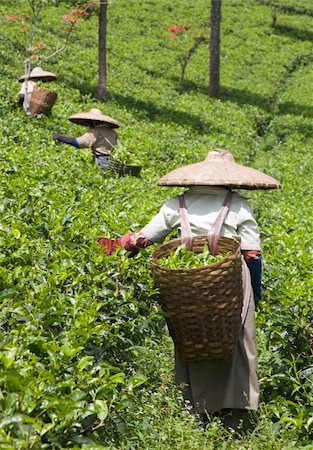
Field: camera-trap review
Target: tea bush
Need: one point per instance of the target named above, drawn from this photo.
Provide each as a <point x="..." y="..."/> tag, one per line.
<point x="85" y="358"/>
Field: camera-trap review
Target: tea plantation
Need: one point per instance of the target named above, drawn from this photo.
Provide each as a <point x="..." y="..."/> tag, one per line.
<point x="85" y="358"/>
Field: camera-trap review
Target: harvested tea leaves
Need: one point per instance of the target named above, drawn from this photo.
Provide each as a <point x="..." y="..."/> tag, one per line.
<point x="182" y="258"/>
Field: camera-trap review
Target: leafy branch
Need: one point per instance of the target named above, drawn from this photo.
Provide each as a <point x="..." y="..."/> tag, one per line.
<point x="178" y="31"/>
<point x="185" y="59"/>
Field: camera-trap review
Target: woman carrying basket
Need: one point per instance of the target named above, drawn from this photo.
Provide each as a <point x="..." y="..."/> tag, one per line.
<point x="225" y="387"/>
<point x="100" y="137"/>
<point x="29" y="82"/>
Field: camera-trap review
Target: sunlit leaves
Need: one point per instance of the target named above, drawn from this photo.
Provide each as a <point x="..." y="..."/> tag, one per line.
<point x="84" y="358"/>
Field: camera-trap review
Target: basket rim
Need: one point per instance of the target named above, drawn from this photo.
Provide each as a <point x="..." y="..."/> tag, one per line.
<point x="43" y="89"/>
<point x="153" y="259"/>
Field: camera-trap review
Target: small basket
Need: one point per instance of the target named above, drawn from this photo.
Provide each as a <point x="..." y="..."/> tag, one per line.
<point x="123" y="169"/>
<point x="202" y="305"/>
<point x="132" y="170"/>
<point x="41" y="101"/>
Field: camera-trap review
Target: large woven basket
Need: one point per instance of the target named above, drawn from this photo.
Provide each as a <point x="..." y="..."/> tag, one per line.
<point x="202" y="305"/>
<point x="41" y="101"/>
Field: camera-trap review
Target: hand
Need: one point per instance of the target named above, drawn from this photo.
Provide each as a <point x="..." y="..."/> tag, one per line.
<point x="56" y="136"/>
<point x="126" y="242"/>
<point x="109" y="245"/>
<point x="250" y="255"/>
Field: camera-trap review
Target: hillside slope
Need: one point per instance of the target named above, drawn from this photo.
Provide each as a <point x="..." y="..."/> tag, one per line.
<point x="85" y="358"/>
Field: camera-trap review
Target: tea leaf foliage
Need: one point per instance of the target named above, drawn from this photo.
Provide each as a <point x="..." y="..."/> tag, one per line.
<point x="85" y="358"/>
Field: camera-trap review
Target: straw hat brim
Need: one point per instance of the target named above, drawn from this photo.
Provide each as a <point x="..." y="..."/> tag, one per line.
<point x="88" y="118"/>
<point x="43" y="76"/>
<point x="219" y="173"/>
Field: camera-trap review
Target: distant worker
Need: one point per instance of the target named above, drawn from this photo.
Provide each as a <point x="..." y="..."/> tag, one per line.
<point x="100" y="137"/>
<point x="28" y="84"/>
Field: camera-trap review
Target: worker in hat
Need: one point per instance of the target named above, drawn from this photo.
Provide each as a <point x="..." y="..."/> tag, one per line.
<point x="226" y="388"/>
<point x="29" y="82"/>
<point x="100" y="137"/>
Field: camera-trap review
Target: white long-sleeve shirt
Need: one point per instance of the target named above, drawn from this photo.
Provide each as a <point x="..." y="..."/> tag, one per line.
<point x="203" y="204"/>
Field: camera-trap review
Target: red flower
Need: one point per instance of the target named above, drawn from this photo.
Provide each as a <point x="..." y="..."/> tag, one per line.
<point x="16" y="18"/>
<point x="79" y="12"/>
<point x="69" y="18"/>
<point x="40" y="45"/>
<point x="11" y="18"/>
<point x="178" y="28"/>
<point x="174" y="29"/>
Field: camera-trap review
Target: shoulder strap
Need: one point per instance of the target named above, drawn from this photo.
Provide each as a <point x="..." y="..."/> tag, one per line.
<point x="186" y="235"/>
<point x="217" y="225"/>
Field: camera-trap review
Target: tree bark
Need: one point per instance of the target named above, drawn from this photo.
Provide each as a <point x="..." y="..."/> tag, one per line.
<point x="102" y="47"/>
<point x="214" y="89"/>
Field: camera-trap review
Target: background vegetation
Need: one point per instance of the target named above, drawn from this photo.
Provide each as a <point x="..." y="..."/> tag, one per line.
<point x="84" y="354"/>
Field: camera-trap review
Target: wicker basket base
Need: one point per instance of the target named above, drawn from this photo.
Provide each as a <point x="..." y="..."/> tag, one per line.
<point x="202" y="305"/>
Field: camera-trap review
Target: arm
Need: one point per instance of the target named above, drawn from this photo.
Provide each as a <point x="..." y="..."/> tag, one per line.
<point x="253" y="260"/>
<point x="65" y="139"/>
<point x="250" y="246"/>
<point x="154" y="231"/>
<point x="132" y="242"/>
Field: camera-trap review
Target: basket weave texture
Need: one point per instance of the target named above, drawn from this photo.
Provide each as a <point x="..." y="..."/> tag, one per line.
<point x="123" y="169"/>
<point x="202" y="305"/>
<point x="41" y="101"/>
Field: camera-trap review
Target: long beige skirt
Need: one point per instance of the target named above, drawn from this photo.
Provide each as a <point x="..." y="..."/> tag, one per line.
<point x="210" y="386"/>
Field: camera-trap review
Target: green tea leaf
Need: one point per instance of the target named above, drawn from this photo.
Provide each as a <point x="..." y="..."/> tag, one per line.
<point x="186" y="259"/>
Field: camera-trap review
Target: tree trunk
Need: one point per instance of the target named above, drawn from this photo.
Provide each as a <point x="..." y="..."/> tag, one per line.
<point x="214" y="90"/>
<point x="102" y="70"/>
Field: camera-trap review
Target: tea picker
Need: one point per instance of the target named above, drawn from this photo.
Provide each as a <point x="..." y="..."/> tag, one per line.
<point x="210" y="310"/>
<point x="29" y="84"/>
<point x="100" y="137"/>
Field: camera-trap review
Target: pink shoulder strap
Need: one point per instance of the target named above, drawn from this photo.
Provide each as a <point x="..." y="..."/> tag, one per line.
<point x="186" y="235"/>
<point x="217" y="225"/>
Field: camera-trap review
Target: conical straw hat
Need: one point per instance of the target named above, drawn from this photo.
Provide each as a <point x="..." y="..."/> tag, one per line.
<point x="219" y="169"/>
<point x="94" y="115"/>
<point x="40" y="74"/>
